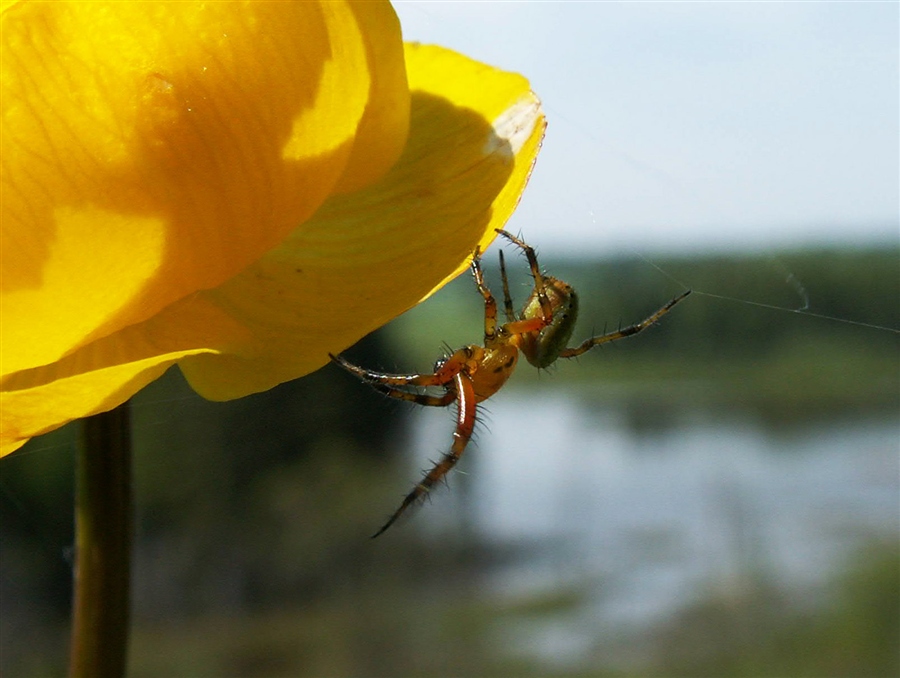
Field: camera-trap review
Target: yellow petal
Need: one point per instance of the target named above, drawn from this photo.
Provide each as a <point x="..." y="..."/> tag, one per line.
<point x="361" y="260"/>
<point x="367" y="257"/>
<point x="25" y="411"/>
<point x="151" y="149"/>
<point x="381" y="134"/>
<point x="104" y="374"/>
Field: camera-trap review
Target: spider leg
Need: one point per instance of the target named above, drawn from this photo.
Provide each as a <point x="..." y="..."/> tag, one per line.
<point x="623" y="332"/>
<point x="490" y="304"/>
<point x="442" y="375"/>
<point x="419" y="398"/>
<point x="507" y="299"/>
<point x="465" y="424"/>
<point x="543" y="300"/>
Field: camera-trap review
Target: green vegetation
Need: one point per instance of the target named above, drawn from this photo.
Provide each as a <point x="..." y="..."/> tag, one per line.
<point x="757" y="631"/>
<point x="252" y="554"/>
<point x="741" y="340"/>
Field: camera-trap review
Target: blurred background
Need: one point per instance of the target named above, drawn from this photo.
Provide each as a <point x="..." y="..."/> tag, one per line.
<point x="715" y="497"/>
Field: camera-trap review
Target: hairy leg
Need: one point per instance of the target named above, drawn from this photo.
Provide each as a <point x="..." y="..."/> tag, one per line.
<point x="442" y="375"/>
<point x="629" y="331"/>
<point x="530" y="255"/>
<point x="507" y="299"/>
<point x="418" y="398"/>
<point x="490" y="304"/>
<point x="465" y="424"/>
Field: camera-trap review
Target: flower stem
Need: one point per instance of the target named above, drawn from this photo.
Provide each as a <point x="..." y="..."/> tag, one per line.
<point x="103" y="535"/>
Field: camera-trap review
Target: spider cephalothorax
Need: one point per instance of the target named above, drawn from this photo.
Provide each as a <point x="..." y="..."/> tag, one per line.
<point x="474" y="373"/>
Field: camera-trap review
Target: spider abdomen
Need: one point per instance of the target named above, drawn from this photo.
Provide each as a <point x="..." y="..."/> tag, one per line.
<point x="543" y="347"/>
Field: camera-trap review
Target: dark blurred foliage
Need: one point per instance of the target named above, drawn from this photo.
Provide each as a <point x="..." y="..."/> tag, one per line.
<point x="759" y="630"/>
<point x="219" y="487"/>
<point x="224" y="486"/>
<point x="253" y="516"/>
<point x="738" y="311"/>
<point x="737" y="339"/>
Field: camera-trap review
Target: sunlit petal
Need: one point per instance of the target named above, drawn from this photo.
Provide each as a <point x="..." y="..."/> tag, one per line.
<point x="362" y="259"/>
<point x="367" y="257"/>
<point x="151" y="149"/>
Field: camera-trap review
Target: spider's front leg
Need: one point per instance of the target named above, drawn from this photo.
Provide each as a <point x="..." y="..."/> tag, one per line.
<point x="490" y="304"/>
<point x="508" y="309"/>
<point x="539" y="283"/>
<point x="418" y="398"/>
<point x="629" y="331"/>
<point x="394" y="385"/>
<point x="443" y="373"/>
<point x="465" y="424"/>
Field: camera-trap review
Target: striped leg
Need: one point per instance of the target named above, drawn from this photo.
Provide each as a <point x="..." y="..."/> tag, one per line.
<point x="443" y="375"/>
<point x="507" y="299"/>
<point x="465" y="424"/>
<point x="490" y="304"/>
<point x="418" y="398"/>
<point x="543" y="300"/>
<point x="629" y="331"/>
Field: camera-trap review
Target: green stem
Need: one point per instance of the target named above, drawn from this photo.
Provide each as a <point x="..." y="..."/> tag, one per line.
<point x="103" y="535"/>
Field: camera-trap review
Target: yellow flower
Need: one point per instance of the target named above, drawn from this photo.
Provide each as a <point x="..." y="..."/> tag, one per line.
<point x="238" y="188"/>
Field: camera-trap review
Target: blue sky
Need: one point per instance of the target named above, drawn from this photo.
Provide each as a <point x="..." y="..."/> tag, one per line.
<point x="697" y="126"/>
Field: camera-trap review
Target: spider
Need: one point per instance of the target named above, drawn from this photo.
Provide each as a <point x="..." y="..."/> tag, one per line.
<point x="474" y="373"/>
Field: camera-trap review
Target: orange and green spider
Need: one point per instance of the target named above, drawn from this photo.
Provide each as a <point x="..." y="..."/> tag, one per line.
<point x="472" y="374"/>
